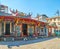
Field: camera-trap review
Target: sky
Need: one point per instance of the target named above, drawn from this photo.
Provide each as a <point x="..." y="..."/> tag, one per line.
<point x="48" y="7"/>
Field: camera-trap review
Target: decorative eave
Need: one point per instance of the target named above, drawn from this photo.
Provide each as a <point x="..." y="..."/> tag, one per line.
<point x="49" y="26"/>
<point x="7" y="18"/>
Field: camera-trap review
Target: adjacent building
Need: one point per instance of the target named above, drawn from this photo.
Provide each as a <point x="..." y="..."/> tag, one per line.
<point x="55" y="22"/>
<point x="43" y="30"/>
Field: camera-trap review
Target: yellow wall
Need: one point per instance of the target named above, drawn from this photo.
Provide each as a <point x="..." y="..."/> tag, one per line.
<point x="53" y="20"/>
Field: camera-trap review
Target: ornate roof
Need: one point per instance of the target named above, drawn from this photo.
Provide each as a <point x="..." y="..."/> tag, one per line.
<point x="5" y="14"/>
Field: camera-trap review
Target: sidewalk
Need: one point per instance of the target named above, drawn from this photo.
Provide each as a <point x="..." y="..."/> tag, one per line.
<point x="24" y="42"/>
<point x="45" y="43"/>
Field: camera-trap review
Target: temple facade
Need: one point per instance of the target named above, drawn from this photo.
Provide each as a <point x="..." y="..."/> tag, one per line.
<point x="15" y="26"/>
<point x="18" y="24"/>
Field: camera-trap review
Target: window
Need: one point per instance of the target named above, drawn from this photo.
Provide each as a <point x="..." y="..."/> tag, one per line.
<point x="3" y="27"/>
<point x="58" y="23"/>
<point x="54" y="19"/>
<point x="41" y="29"/>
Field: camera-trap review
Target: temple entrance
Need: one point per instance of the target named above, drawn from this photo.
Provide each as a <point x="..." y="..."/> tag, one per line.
<point x="7" y="29"/>
<point x="24" y="29"/>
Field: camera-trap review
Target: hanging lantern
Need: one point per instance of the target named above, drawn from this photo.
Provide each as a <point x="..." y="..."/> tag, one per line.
<point x="32" y="22"/>
<point x="1" y="18"/>
<point x="17" y="21"/>
<point x="23" y="21"/>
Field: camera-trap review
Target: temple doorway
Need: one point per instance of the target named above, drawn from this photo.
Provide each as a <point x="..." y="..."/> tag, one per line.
<point x="7" y="29"/>
<point x="24" y="29"/>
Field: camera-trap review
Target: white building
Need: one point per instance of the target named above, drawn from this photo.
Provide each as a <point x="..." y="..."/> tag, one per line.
<point x="41" y="17"/>
<point x="55" y="21"/>
<point x="42" y="30"/>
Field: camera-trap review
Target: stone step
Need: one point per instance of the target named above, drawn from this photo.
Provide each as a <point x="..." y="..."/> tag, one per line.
<point x="8" y="39"/>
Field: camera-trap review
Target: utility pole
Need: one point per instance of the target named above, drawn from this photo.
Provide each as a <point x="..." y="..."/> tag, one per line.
<point x="58" y="20"/>
<point x="57" y="13"/>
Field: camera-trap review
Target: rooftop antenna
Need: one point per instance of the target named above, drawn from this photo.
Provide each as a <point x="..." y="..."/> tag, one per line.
<point x="57" y="12"/>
